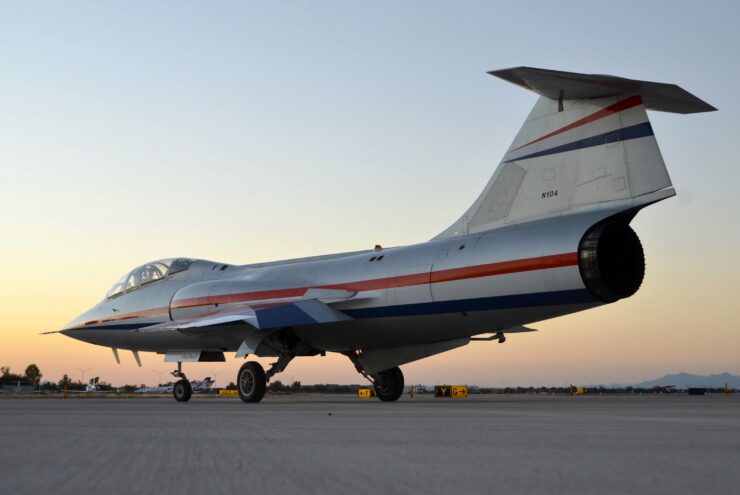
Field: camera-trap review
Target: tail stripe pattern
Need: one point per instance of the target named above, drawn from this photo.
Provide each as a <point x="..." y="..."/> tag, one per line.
<point x="623" y="134"/>
<point x="617" y="107"/>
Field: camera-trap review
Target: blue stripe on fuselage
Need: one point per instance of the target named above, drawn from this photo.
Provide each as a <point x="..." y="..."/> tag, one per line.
<point x="578" y="296"/>
<point x="624" y="134"/>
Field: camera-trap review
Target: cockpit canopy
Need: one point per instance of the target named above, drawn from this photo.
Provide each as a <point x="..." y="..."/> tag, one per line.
<point x="147" y="274"/>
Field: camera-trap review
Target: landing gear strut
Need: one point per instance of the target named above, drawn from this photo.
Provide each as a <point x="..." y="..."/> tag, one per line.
<point x="182" y="391"/>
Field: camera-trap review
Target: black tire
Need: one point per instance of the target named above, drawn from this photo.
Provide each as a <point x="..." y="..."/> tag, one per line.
<point x="389" y="384"/>
<point x="182" y="391"/>
<point x="251" y="382"/>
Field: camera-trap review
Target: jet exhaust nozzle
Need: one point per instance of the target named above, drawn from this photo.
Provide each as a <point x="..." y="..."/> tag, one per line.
<point x="611" y="261"/>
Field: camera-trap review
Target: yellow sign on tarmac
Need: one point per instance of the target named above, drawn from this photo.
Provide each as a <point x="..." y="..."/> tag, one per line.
<point x="451" y="391"/>
<point x="228" y="393"/>
<point x="459" y="391"/>
<point x="366" y="393"/>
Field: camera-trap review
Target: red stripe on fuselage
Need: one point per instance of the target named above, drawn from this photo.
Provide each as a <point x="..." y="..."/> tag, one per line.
<point x="504" y="267"/>
<point x="449" y="275"/>
<point x="617" y="107"/>
<point x="145" y="313"/>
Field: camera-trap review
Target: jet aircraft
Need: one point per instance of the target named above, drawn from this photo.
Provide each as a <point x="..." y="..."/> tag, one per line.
<point x="549" y="235"/>
<point x="195" y="385"/>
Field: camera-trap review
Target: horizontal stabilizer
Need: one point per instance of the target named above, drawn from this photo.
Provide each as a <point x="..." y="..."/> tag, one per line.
<point x="559" y="85"/>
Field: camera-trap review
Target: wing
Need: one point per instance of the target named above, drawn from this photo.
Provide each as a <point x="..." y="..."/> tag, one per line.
<point x="292" y="314"/>
<point x="261" y="320"/>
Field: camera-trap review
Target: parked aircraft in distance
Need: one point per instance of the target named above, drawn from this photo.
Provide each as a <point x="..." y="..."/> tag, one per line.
<point x="196" y="386"/>
<point x="91" y="387"/>
<point x="549" y="235"/>
<point x="159" y="389"/>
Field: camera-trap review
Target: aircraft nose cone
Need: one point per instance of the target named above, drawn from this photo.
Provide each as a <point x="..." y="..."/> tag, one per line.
<point x="75" y="333"/>
<point x="66" y="331"/>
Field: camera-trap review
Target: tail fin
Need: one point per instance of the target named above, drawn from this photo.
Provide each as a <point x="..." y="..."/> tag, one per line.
<point x="586" y="144"/>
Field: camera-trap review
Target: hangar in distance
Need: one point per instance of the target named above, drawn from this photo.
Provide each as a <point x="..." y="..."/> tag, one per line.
<point x="549" y="235"/>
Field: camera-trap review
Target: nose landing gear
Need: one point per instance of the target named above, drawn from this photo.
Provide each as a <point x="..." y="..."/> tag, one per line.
<point x="182" y="391"/>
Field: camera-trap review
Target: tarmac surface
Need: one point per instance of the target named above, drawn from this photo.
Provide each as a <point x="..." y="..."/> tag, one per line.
<point x="323" y="444"/>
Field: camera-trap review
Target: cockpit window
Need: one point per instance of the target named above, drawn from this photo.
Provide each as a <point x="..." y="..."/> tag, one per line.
<point x="117" y="288"/>
<point x="152" y="272"/>
<point x="179" y="265"/>
<point x="133" y="280"/>
<point x="147" y="274"/>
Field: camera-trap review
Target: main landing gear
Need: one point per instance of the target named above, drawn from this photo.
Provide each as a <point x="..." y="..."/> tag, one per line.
<point x="182" y="391"/>
<point x="388" y="384"/>
<point x="251" y="381"/>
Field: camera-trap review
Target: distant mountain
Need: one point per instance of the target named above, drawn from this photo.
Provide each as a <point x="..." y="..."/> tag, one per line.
<point x="687" y="380"/>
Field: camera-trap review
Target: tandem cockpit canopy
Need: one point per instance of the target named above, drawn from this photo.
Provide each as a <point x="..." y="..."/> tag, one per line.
<point x="147" y="274"/>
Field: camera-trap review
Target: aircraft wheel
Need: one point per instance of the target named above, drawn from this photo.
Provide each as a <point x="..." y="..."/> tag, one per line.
<point x="251" y="382"/>
<point x="389" y="384"/>
<point x="182" y="391"/>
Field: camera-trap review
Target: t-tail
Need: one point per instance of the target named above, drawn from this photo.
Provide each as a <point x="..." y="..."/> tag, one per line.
<point x="586" y="145"/>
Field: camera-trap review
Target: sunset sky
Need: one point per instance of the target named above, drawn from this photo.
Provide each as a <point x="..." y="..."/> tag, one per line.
<point x="133" y="131"/>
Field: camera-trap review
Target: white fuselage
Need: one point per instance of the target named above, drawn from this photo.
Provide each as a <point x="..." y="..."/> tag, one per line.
<point x="429" y="292"/>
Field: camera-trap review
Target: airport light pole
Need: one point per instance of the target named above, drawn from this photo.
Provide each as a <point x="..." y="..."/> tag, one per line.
<point x="83" y="371"/>
<point x="215" y="376"/>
